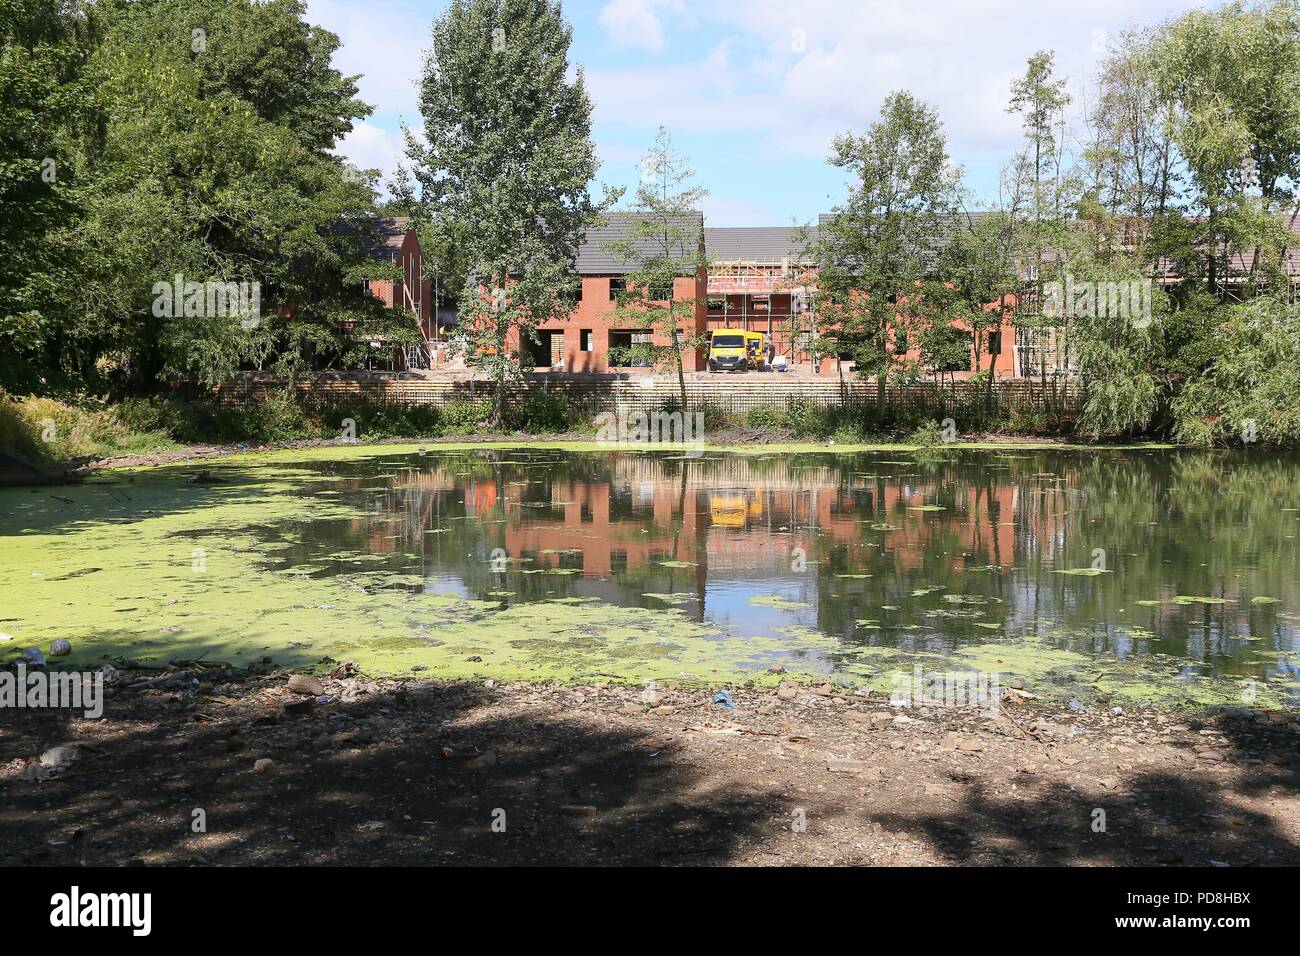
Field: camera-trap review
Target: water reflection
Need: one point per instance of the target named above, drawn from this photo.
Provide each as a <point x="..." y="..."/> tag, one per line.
<point x="1121" y="553"/>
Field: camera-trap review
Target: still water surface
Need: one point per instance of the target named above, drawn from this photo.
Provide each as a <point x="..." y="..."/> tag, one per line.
<point x="1103" y="574"/>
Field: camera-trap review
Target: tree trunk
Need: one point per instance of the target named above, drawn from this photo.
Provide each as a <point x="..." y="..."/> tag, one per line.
<point x="681" y="374"/>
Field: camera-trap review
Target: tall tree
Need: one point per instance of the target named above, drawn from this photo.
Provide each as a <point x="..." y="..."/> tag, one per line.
<point x="977" y="283"/>
<point x="1132" y="162"/>
<point x="46" y="107"/>
<point x="663" y="244"/>
<point x="1232" y="76"/>
<point x="1041" y="99"/>
<point x="882" y="241"/>
<point x="508" y="164"/>
<point x="207" y="154"/>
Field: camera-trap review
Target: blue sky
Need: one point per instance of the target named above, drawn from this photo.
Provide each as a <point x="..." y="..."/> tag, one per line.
<point x="753" y="91"/>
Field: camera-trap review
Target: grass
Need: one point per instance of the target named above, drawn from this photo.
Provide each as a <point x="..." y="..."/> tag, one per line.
<point x="45" y="431"/>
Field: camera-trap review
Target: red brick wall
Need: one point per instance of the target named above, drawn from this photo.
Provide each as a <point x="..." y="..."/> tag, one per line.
<point x="595" y="313"/>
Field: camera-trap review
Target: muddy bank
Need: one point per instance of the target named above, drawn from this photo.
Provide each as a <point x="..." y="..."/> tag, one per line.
<point x="344" y="769"/>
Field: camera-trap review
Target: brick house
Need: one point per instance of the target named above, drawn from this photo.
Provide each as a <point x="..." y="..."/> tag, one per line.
<point x="759" y="280"/>
<point x="581" y="342"/>
<point x="394" y="241"/>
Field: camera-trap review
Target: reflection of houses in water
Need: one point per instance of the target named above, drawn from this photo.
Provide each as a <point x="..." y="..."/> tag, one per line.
<point x="612" y="533"/>
<point x="739" y="514"/>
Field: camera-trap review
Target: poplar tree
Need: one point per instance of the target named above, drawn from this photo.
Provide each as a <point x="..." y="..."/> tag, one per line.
<point x="506" y="165"/>
<point x="881" y="243"/>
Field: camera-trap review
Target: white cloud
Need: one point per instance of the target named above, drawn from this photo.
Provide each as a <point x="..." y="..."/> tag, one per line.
<point x="369" y="147"/>
<point x="740" y="211"/>
<point x="637" y="23"/>
<point x="798" y="71"/>
<point x="384" y="43"/>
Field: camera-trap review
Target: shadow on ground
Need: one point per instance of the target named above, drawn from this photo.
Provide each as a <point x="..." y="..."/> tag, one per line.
<point x="1155" y="818"/>
<point x="369" y="784"/>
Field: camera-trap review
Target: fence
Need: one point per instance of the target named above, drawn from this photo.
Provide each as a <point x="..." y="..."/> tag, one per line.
<point x="733" y="399"/>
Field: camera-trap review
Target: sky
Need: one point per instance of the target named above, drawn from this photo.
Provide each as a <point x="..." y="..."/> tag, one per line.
<point x="754" y="91"/>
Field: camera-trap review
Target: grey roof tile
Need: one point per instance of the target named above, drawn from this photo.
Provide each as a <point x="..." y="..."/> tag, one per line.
<point x="730" y="243"/>
<point x="594" y="256"/>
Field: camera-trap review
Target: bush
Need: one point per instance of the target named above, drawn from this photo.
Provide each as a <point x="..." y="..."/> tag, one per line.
<point x="848" y="433"/>
<point x="715" y="418"/>
<point x="764" y="417"/>
<point x="928" y="435"/>
<point x="465" y="417"/>
<point x="45" y="431"/>
<point x="379" y="420"/>
<point x="275" y="418"/>
<point x="541" y="413"/>
<point x="808" y="419"/>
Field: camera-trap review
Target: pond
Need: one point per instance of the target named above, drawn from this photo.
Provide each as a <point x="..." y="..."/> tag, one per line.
<point x="1107" y="575"/>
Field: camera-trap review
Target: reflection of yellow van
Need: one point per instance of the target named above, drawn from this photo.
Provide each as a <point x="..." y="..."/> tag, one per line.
<point x="735" y="350"/>
<point x="732" y="511"/>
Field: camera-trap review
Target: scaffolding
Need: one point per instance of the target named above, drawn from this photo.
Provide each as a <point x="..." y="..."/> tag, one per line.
<point x="763" y="295"/>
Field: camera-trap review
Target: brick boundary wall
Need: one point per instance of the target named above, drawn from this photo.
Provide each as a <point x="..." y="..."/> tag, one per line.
<point x="733" y="399"/>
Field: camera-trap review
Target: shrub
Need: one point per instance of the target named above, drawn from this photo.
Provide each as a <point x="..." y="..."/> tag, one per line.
<point x="274" y="418"/>
<point x="715" y="418"/>
<point x="465" y="417"/>
<point x="808" y="418"/>
<point x="848" y="433"/>
<point x="541" y="413"/>
<point x="378" y="420"/>
<point x="45" y="431"/>
<point x="764" y="417"/>
<point x="928" y="435"/>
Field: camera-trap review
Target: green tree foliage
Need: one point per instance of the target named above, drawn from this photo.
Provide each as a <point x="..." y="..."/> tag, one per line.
<point x="45" y="105"/>
<point x="881" y="242"/>
<point x="1231" y="77"/>
<point x="507" y="167"/>
<point x="663" y="243"/>
<point x="206" y="155"/>
<point x="1249" y="392"/>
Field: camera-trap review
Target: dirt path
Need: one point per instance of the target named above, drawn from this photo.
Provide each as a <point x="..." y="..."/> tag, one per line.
<point x="422" y="772"/>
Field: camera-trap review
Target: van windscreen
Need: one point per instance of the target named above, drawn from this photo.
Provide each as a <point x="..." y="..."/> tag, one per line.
<point x="728" y="341"/>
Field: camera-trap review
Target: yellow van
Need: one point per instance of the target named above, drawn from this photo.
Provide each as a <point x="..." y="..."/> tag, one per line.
<point x="735" y="350"/>
<point x="733" y="510"/>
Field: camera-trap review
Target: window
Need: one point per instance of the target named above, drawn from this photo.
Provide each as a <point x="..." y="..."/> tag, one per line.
<point x="577" y="290"/>
<point x="995" y="342"/>
<point x="586" y="341"/>
<point x="616" y="286"/>
<point x="630" y="348"/>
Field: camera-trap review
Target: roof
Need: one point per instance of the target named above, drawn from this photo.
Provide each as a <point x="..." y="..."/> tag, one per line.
<point x="731" y="243"/>
<point x="594" y="256"/>
<point x="382" y="237"/>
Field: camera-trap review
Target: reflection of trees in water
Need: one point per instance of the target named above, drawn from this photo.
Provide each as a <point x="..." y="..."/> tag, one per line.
<point x="1166" y="523"/>
<point x="1163" y="522"/>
